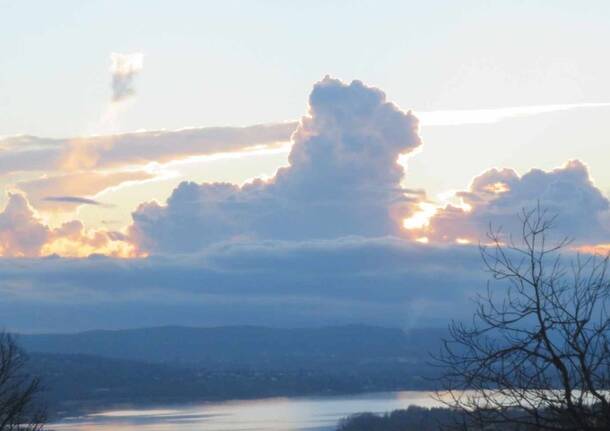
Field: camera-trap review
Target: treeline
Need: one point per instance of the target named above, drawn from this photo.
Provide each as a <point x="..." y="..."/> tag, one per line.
<point x="410" y="419"/>
<point x="435" y="419"/>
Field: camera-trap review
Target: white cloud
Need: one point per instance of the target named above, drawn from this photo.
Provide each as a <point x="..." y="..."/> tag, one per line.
<point x="458" y="117"/>
<point x="343" y="179"/>
<point x="498" y="195"/>
<point x="26" y="153"/>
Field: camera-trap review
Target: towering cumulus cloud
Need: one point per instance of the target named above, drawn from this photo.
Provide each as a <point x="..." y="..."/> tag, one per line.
<point x="343" y="179"/>
<point x="498" y="195"/>
<point x="124" y="68"/>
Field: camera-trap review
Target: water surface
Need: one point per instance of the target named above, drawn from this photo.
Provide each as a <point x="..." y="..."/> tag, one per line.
<point x="272" y="414"/>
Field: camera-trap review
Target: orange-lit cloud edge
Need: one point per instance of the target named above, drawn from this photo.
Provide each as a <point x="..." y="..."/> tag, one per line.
<point x="73" y="240"/>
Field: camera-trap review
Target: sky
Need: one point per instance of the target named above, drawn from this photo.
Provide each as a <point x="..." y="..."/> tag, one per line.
<point x="287" y="163"/>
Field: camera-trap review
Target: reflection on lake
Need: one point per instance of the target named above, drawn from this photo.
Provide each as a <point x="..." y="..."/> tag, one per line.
<point x="274" y="414"/>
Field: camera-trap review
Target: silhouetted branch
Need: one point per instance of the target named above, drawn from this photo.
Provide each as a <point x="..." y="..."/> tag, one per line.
<point x="18" y="390"/>
<point x="538" y="357"/>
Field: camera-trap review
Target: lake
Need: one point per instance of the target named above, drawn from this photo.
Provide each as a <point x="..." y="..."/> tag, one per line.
<point x="272" y="414"/>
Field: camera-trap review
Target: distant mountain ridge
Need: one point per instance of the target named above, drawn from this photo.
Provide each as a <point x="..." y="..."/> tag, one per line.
<point x="244" y="346"/>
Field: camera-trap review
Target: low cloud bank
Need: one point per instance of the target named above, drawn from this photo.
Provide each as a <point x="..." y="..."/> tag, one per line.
<point x="382" y="281"/>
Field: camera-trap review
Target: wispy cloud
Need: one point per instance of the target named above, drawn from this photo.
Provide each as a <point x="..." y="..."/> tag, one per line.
<point x="73" y="200"/>
<point x="31" y="153"/>
<point x="26" y="153"/>
<point x="74" y="189"/>
<point x="460" y="117"/>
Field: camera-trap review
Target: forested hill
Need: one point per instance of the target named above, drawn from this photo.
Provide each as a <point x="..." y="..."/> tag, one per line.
<point x="99" y="369"/>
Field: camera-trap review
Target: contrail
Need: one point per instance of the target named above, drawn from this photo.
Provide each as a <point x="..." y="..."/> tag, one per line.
<point x="460" y="117"/>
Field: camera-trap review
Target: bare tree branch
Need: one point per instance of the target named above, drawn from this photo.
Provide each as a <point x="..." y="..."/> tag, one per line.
<point x="18" y="390"/>
<point x="537" y="353"/>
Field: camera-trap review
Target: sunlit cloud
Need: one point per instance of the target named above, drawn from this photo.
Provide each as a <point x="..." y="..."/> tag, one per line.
<point x="87" y="243"/>
<point x="421" y="218"/>
<point x="596" y="249"/>
<point x="326" y="161"/>
<point x="23" y="233"/>
<point x="342" y="179"/>
<point x="498" y="195"/>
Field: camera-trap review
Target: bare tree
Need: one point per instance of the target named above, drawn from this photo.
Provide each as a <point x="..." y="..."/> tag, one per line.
<point x="537" y="353"/>
<point x="18" y="390"/>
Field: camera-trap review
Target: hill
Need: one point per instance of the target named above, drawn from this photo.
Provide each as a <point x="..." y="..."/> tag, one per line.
<point x="94" y="370"/>
<point x="245" y="346"/>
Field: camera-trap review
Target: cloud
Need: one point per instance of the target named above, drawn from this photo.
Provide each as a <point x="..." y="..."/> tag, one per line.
<point x="27" y="153"/>
<point x="21" y="233"/>
<point x="319" y="243"/>
<point x="73" y="200"/>
<point x="163" y="146"/>
<point x="124" y="68"/>
<point x="72" y="189"/>
<point x="459" y="117"/>
<point x="498" y="195"/>
<point x="24" y="234"/>
<point x="382" y="281"/>
<point x="343" y="179"/>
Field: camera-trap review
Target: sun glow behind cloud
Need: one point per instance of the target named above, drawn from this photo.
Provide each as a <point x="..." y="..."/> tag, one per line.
<point x="91" y="244"/>
<point x="421" y="218"/>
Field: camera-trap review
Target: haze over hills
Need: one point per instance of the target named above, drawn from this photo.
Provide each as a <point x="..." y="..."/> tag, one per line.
<point x="244" y="346"/>
<point x="93" y="370"/>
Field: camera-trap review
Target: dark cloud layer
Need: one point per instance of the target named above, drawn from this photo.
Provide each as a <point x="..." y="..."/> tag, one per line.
<point x="73" y="200"/>
<point x="384" y="281"/>
<point x="66" y="192"/>
<point x="343" y="179"/>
